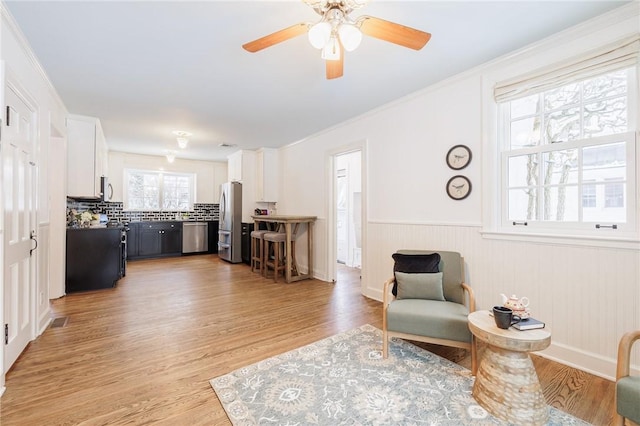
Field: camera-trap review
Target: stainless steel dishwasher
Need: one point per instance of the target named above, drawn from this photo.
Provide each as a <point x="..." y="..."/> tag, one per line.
<point x="195" y="237"/>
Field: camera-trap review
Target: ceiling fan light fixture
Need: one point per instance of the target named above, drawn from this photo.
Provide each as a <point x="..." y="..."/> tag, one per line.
<point x="331" y="50"/>
<point x="355" y="4"/>
<point x="182" y="142"/>
<point x="171" y="156"/>
<point x="319" y="34"/>
<point x="350" y="36"/>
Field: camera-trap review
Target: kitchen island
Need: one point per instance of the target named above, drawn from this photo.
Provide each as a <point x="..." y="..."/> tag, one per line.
<point x="275" y="223"/>
<point x="95" y="258"/>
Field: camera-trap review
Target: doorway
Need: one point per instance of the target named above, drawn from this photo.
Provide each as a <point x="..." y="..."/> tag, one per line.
<point x="347" y="210"/>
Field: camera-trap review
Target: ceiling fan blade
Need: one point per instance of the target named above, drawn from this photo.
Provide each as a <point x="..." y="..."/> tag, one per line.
<point x="335" y="68"/>
<point x="275" y="38"/>
<point x="393" y="33"/>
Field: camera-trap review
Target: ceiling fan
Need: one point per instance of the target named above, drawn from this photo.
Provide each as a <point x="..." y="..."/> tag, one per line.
<point x="337" y="31"/>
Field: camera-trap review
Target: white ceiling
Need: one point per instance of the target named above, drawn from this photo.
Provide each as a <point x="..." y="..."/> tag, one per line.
<point x="146" y="68"/>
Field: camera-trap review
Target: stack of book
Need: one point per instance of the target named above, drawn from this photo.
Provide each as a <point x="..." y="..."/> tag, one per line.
<point x="528" y="324"/>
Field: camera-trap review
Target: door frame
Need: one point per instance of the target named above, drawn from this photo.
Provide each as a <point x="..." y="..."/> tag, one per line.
<point x="332" y="250"/>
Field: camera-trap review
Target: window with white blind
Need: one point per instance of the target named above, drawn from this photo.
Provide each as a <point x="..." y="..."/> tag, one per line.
<point x="158" y="191"/>
<point x="567" y="141"/>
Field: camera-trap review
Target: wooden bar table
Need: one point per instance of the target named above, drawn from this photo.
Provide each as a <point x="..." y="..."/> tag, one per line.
<point x="286" y="221"/>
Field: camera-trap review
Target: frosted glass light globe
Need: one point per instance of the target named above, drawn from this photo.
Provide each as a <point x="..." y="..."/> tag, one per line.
<point x="350" y="36"/>
<point x="319" y="34"/>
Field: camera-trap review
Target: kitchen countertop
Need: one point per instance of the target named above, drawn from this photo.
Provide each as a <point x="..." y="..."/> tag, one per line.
<point x="93" y="228"/>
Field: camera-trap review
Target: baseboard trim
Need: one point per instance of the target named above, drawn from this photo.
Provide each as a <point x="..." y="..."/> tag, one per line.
<point x="563" y="354"/>
<point x="585" y="361"/>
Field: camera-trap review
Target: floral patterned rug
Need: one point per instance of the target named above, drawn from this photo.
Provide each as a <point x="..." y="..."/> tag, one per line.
<point x="343" y="380"/>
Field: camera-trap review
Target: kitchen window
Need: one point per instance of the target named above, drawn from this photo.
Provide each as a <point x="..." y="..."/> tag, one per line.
<point x="568" y="157"/>
<point x="151" y="190"/>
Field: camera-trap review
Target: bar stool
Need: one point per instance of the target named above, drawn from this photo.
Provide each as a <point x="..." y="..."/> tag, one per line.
<point x="275" y="242"/>
<point x="257" y="251"/>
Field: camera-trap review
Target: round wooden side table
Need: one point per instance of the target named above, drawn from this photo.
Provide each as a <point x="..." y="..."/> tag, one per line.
<point x="506" y="384"/>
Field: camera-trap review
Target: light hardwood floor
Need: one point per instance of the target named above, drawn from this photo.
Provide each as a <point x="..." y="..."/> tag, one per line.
<point x="143" y="353"/>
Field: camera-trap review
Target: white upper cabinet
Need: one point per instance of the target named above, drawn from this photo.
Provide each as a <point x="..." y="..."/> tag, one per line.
<point x="86" y="156"/>
<point x="267" y="174"/>
<point x="234" y="167"/>
<point x="220" y="172"/>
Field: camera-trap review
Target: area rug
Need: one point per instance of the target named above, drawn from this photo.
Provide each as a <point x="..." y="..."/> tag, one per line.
<point x="343" y="380"/>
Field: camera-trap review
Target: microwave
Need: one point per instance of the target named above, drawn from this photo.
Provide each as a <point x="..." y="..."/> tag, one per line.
<point x="106" y="190"/>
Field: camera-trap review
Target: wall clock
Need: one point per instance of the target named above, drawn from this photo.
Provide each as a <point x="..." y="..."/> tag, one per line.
<point x="458" y="187"/>
<point x="458" y="157"/>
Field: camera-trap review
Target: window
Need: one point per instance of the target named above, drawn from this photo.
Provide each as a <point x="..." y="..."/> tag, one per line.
<point x="588" y="194"/>
<point x="614" y="195"/>
<point x="568" y="156"/>
<point x="158" y="191"/>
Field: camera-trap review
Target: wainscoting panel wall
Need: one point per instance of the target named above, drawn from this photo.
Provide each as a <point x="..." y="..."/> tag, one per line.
<point x="588" y="296"/>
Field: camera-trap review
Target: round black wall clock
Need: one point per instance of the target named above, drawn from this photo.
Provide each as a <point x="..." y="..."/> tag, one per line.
<point x="458" y="157"/>
<point x="458" y="187"/>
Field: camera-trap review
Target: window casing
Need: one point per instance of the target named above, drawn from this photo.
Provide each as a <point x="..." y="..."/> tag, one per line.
<point x="568" y="157"/>
<point x="150" y="190"/>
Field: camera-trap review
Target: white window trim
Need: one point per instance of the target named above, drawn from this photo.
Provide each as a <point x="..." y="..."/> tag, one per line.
<point x="125" y="189"/>
<point x="492" y="191"/>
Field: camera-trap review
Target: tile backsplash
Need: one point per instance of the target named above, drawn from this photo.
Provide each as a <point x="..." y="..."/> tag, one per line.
<point x="116" y="214"/>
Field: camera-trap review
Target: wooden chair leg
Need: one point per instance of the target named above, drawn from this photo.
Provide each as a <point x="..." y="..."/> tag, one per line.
<point x="618" y="420"/>
<point x="385" y="345"/>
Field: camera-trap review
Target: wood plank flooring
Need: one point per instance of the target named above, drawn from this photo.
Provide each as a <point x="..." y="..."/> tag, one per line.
<point x="143" y="353"/>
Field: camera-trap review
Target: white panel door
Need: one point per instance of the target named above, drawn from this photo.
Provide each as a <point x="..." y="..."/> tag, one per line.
<point x="19" y="173"/>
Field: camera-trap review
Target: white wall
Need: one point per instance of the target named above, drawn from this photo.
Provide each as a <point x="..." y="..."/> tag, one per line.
<point x="209" y="174"/>
<point x="589" y="295"/>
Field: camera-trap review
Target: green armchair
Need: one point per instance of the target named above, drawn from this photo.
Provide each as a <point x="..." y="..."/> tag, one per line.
<point x="627" y="386"/>
<point x="428" y="301"/>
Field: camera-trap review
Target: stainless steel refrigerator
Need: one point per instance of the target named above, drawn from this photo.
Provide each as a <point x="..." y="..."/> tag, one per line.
<point x="230" y="231"/>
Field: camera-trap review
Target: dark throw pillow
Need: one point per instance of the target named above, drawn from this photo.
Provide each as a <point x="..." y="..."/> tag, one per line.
<point x="414" y="264"/>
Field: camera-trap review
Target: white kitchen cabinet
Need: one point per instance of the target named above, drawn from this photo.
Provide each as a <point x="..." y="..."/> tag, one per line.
<point x="86" y="156"/>
<point x="234" y="167"/>
<point x="220" y="175"/>
<point x="267" y="174"/>
<point x="241" y="167"/>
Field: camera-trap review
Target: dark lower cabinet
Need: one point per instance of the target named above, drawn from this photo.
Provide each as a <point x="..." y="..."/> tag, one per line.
<point x="171" y="240"/>
<point x="162" y="238"/>
<point x="93" y="258"/>
<point x="247" y="228"/>
<point x="149" y="242"/>
<point x="132" y="240"/>
<point x="156" y="239"/>
<point x="212" y="236"/>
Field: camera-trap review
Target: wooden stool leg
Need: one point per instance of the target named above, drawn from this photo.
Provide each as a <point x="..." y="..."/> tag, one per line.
<point x="294" y="265"/>
<point x="261" y="256"/>
<point x="267" y="257"/>
<point x="253" y="254"/>
<point x="276" y="262"/>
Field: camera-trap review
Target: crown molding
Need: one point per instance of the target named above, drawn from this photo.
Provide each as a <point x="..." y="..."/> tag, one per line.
<point x="10" y="23"/>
